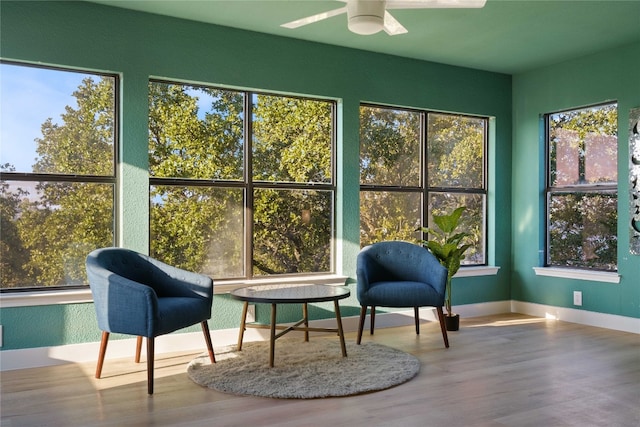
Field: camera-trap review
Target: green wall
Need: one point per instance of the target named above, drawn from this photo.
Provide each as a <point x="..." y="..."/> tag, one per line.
<point x="610" y="75"/>
<point x="138" y="46"/>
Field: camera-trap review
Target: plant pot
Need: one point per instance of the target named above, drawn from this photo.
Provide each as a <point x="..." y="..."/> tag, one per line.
<point x="452" y="322"/>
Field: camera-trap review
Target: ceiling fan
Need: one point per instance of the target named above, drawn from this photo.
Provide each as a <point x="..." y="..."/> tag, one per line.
<point x="370" y="16"/>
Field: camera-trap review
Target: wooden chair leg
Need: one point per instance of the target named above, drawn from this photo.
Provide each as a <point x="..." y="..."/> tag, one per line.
<point x="363" y="314"/>
<point x="373" y="319"/>
<point x="150" y="360"/>
<point x="443" y="326"/>
<point x="417" y="316"/>
<point x="103" y="351"/>
<point x="138" y="349"/>
<point x="207" y="339"/>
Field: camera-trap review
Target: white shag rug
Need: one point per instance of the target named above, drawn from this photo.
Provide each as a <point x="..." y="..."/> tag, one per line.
<point x="304" y="370"/>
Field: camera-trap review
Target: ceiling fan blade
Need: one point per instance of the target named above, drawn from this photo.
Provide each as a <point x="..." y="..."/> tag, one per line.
<point x="392" y="26"/>
<point x="314" y="18"/>
<point x="434" y="4"/>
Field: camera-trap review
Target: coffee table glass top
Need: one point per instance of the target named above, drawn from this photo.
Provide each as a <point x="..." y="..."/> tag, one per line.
<point x="291" y="293"/>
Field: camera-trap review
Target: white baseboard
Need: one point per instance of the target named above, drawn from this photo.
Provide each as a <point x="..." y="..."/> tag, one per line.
<point x="193" y="341"/>
<point x="583" y="317"/>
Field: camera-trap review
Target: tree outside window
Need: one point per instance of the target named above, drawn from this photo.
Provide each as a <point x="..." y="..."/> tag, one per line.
<point x="414" y="164"/>
<point x="57" y="174"/>
<point x="241" y="182"/>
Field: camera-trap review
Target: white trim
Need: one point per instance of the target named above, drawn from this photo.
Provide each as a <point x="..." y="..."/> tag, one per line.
<point x="573" y="273"/>
<point x="583" y="317"/>
<point x="33" y="298"/>
<point x="485" y="270"/>
<point x="78" y="296"/>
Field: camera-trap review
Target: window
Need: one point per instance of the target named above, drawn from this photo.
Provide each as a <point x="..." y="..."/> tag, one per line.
<point x="57" y="170"/>
<point x="416" y="163"/>
<point x="582" y="189"/>
<point x="241" y="182"/>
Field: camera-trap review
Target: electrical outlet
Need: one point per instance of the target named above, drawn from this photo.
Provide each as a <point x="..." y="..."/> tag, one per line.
<point x="577" y="298"/>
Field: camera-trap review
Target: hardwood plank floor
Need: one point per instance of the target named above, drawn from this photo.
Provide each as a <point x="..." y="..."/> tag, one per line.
<point x="506" y="370"/>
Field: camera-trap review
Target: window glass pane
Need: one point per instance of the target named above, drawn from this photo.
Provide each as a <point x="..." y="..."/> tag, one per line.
<point x="198" y="229"/>
<point x="582" y="223"/>
<point x="48" y="228"/>
<point x="195" y="132"/>
<point x="292" y="231"/>
<point x="388" y="215"/>
<point x="471" y="221"/>
<point x="455" y="147"/>
<point x="583" y="230"/>
<point x="389" y="147"/>
<point x="292" y="139"/>
<point x="56" y="122"/>
<point x="583" y="146"/>
<point x="61" y="124"/>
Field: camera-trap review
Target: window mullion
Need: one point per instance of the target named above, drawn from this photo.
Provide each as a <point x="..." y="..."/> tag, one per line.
<point x="248" y="179"/>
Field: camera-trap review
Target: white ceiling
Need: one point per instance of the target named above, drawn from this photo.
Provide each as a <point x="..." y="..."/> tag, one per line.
<point x="507" y="36"/>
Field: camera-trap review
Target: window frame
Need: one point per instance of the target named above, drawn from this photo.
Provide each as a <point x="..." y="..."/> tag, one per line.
<point x="249" y="185"/>
<point x="73" y="178"/>
<point x="586" y="188"/>
<point x="424" y="189"/>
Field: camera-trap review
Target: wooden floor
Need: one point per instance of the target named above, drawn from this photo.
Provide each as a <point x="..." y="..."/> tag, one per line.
<point x="508" y="370"/>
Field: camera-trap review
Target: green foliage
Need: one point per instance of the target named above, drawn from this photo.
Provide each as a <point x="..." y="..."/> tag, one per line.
<point x="198" y="133"/>
<point x="48" y="227"/>
<point x="447" y="245"/>
<point x="455" y="147"/>
<point x="195" y="133"/>
<point x="389" y="146"/>
<point x="292" y="139"/>
<point x="391" y="204"/>
<point x="13" y="256"/>
<point x="582" y="231"/>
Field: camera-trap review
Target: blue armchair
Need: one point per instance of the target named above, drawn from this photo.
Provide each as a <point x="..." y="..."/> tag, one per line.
<point x="400" y="274"/>
<point x="137" y="295"/>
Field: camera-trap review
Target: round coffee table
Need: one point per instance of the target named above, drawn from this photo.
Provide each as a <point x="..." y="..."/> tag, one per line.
<point x="290" y="294"/>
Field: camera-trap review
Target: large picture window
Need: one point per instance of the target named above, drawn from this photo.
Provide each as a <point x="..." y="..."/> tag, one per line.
<point x="414" y="164"/>
<point x="57" y="167"/>
<point x="241" y="182"/>
<point x="582" y="189"/>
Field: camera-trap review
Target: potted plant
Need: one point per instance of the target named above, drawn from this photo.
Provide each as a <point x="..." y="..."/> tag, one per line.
<point x="449" y="247"/>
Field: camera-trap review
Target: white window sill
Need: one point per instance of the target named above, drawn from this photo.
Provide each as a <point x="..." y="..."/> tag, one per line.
<point x="78" y="296"/>
<point x="475" y="271"/>
<point x="27" y="298"/>
<point x="572" y="273"/>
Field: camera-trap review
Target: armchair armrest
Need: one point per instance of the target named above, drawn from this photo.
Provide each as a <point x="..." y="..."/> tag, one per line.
<point x="435" y="274"/>
<point x="123" y="305"/>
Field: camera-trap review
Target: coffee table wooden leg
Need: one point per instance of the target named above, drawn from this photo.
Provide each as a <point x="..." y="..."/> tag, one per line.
<point x="272" y="341"/>
<point x="243" y="322"/>
<point x="305" y="316"/>
<point x="340" y="331"/>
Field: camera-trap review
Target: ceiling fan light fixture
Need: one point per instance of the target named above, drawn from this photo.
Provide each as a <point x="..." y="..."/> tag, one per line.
<point x="365" y="17"/>
<point x="366" y="24"/>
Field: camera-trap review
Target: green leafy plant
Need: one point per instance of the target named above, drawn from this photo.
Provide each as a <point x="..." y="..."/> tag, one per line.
<point x="447" y="245"/>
